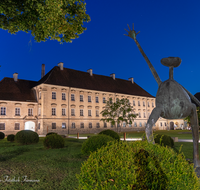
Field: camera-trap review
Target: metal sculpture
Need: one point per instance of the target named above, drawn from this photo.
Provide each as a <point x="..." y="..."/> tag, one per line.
<point x="172" y="100"/>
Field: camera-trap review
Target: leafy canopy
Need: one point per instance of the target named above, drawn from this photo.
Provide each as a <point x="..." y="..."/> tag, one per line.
<point x="118" y="112"/>
<point x="60" y="20"/>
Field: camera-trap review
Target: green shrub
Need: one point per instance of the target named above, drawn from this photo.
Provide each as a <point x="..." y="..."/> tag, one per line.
<point x="166" y="140"/>
<point x="51" y="133"/>
<point x="137" y="165"/>
<point x="95" y="142"/>
<point x="111" y="133"/>
<point x="54" y="141"/>
<point x="2" y="135"/>
<point x="11" y="138"/>
<point x="27" y="137"/>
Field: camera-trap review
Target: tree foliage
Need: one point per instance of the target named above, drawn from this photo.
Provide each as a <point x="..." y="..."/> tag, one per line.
<point x="198" y="115"/>
<point x="60" y="20"/>
<point x="118" y="112"/>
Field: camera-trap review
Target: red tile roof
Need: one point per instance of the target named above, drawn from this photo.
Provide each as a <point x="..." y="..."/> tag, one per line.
<point x="79" y="79"/>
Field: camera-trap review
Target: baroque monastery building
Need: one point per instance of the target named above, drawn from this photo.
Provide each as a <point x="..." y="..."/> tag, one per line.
<point x="68" y="101"/>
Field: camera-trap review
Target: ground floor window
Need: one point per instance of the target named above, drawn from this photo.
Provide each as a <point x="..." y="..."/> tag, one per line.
<point x="97" y="125"/>
<point x="63" y="125"/>
<point x="90" y="125"/>
<point x="53" y="125"/>
<point x="105" y="125"/>
<point x="17" y="126"/>
<point x="73" y="125"/>
<point x="38" y="126"/>
<point x="2" y="126"/>
<point x="82" y="125"/>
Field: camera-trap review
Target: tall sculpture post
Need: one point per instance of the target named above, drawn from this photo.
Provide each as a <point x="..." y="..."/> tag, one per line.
<point x="172" y="100"/>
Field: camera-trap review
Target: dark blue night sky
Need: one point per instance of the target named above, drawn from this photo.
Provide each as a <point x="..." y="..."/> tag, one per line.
<point x="167" y="28"/>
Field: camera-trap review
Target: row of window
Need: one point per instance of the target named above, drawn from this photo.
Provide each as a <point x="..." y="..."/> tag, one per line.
<point x="16" y="127"/>
<point x="73" y="112"/>
<point x="90" y="99"/>
<point x="17" y="111"/>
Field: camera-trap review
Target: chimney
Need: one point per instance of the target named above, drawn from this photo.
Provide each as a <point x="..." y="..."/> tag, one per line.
<point x="60" y="65"/>
<point x="113" y="76"/>
<point x="15" y="77"/>
<point x="90" y="71"/>
<point x="131" y="79"/>
<point x="43" y="70"/>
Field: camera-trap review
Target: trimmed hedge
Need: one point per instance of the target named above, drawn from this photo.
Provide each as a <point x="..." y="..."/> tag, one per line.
<point x="27" y="137"/>
<point x="137" y="165"/>
<point x="164" y="140"/>
<point x="111" y="133"/>
<point x="95" y="142"/>
<point x="54" y="141"/>
<point x="51" y="133"/>
<point x="2" y="135"/>
<point x="11" y="138"/>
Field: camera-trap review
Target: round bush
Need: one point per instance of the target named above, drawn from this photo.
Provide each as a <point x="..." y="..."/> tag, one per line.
<point x="95" y="142"/>
<point x="11" y="138"/>
<point x="111" y="133"/>
<point x="51" y="133"/>
<point x="166" y="140"/>
<point x="137" y="165"/>
<point x="54" y="141"/>
<point x="27" y="137"/>
<point x="2" y="135"/>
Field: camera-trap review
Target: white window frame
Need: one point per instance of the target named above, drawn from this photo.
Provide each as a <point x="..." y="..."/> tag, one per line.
<point x="63" y="112"/>
<point x="63" y="125"/>
<point x="30" y="111"/>
<point x="17" y="111"/>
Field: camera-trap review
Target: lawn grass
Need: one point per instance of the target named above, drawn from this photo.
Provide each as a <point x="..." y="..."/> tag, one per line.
<point x="54" y="168"/>
<point x="181" y="134"/>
